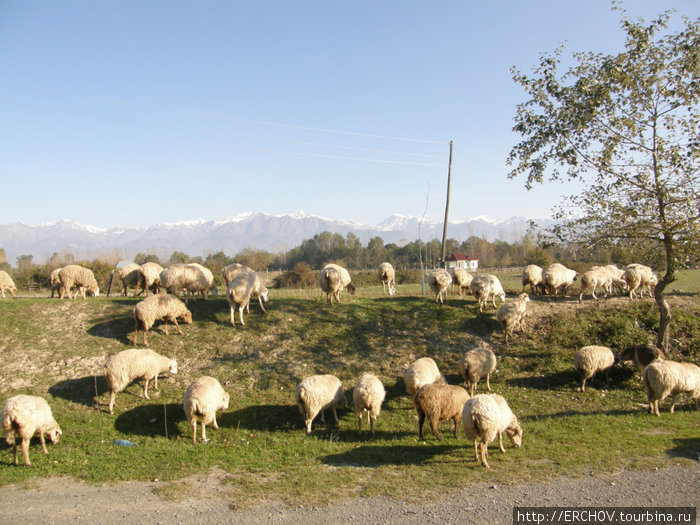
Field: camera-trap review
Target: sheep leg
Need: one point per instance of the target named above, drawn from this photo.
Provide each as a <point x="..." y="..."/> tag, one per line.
<point x="335" y="416"/>
<point x="179" y="331"/>
<point x="145" y="389"/>
<point x="476" y="453"/>
<point x="421" y="420"/>
<point x="484" y="453"/>
<point x="193" y="424"/>
<point x="204" y="433"/>
<point x="500" y="442"/>
<point x="434" y="428"/>
<point x="260" y="301"/>
<point x="214" y="423"/>
<point x="43" y="443"/>
<point x="233" y="316"/>
<point x="488" y="383"/>
<point x="14" y="449"/>
<point x="371" y="424"/>
<point x="25" y="452"/>
<point x="240" y="314"/>
<point x="455" y="422"/>
<point x="112" y="397"/>
<point x="323" y="417"/>
<point x="673" y="402"/>
<point x="359" y="423"/>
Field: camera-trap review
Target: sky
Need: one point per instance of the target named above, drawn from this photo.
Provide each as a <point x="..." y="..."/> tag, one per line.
<point x="132" y="113"/>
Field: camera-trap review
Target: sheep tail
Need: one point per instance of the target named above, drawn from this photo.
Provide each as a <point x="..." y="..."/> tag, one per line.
<point x="475" y="423"/>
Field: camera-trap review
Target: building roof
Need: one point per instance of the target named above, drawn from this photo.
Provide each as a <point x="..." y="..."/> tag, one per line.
<point x="460" y="257"/>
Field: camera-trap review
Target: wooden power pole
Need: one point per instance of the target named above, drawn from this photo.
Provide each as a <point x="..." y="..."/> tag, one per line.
<point x="447" y="209"/>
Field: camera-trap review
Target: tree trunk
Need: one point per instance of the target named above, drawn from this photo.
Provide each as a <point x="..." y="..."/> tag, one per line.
<point x="664" y="336"/>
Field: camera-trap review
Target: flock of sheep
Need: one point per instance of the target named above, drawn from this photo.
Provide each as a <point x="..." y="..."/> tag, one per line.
<point x="483" y="417"/>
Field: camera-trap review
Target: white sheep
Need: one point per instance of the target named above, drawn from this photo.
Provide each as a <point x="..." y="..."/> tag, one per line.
<point x="487" y="416"/>
<point x="129" y="275"/>
<point x="332" y="280"/>
<point x="387" y="276"/>
<point x="558" y="278"/>
<point x="423" y="371"/>
<point x="6" y="283"/>
<point x="368" y="396"/>
<point x="149" y="277"/>
<point x="230" y="271"/>
<point x="136" y="363"/>
<point x="592" y="359"/>
<point x="74" y="276"/>
<point x="602" y="277"/>
<point x="198" y="286"/>
<point x="662" y="378"/>
<point x="532" y="276"/>
<point x="438" y="403"/>
<point x="240" y="290"/>
<point x="485" y="285"/>
<point x="189" y="277"/>
<point x="315" y="394"/>
<point x="439" y="281"/>
<point x="639" y="277"/>
<point x="475" y="364"/>
<point x="203" y="398"/>
<point x="153" y="308"/>
<point x="54" y="281"/>
<point x="512" y="315"/>
<point x="24" y="417"/>
<point x="463" y="279"/>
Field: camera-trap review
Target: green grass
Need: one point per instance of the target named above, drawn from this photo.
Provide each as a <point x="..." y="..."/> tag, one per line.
<point x="58" y="348"/>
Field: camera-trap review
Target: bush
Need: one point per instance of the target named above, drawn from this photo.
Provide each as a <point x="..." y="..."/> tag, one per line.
<point x="301" y="276"/>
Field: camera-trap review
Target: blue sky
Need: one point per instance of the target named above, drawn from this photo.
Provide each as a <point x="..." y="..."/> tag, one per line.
<point x="130" y="113"/>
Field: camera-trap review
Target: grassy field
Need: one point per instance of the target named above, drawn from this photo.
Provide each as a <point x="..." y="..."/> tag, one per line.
<point x="57" y="349"/>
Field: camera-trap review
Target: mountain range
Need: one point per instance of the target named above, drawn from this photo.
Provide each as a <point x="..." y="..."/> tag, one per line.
<point x="273" y="233"/>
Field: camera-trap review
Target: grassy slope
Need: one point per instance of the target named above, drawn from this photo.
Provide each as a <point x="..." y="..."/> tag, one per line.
<point x="57" y="349"/>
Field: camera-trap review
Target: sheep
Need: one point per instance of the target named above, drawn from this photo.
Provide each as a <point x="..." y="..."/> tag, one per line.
<point x="230" y="271"/>
<point x="511" y="315"/>
<point x="368" y="396"/>
<point x="463" y="279"/>
<point x="599" y="276"/>
<point x="641" y="355"/>
<point x="26" y="416"/>
<point x="189" y="277"/>
<point x="557" y="278"/>
<point x="204" y="286"/>
<point x="439" y="280"/>
<point x="74" y="276"/>
<point x="149" y="277"/>
<point x="136" y="363"/>
<point x="203" y="398"/>
<point x="487" y="416"/>
<point x="662" y="378"/>
<point x="474" y="365"/>
<point x="129" y="275"/>
<point x="315" y="394"/>
<point x="532" y="275"/>
<point x="332" y="280"/>
<point x="485" y="285"/>
<point x="439" y="403"/>
<point x="157" y="307"/>
<point x="6" y="283"/>
<point x="387" y="276"/>
<point x="239" y="291"/>
<point x="423" y="371"/>
<point x="639" y="277"/>
<point x="592" y="359"/>
<point x="54" y="281"/>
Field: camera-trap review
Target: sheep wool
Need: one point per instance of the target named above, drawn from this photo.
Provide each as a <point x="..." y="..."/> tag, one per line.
<point x="463" y="279"/>
<point x="439" y="403"/>
<point x="230" y="271"/>
<point x="642" y="355"/>
<point x="512" y="315"/>
<point x="487" y="416"/>
<point x="54" y="281"/>
<point x="532" y="276"/>
<point x="485" y="285"/>
<point x="332" y="280"/>
<point x="24" y="417"/>
<point x="137" y="363"/>
<point x="387" y="276"/>
<point x="439" y="281"/>
<point x="240" y="290"/>
<point x="6" y="283"/>
<point x="315" y="394"/>
<point x="203" y="398"/>
<point x="129" y="276"/>
<point x="558" y="278"/>
<point x="74" y="276"/>
<point x="423" y="371"/>
<point x="664" y="378"/>
<point x="156" y="307"/>
<point x="190" y="277"/>
<point x="475" y="364"/>
<point x="368" y="396"/>
<point x="639" y="277"/>
<point x="598" y="277"/>
<point x="590" y="360"/>
<point x="149" y="277"/>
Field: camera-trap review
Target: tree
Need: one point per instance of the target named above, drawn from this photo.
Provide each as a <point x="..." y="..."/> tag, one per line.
<point x="626" y="125"/>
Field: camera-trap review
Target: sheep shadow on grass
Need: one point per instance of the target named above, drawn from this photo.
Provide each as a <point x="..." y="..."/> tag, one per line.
<point x="377" y="456"/>
<point x="151" y="420"/>
<point x="266" y="418"/>
<point x="685" y="448"/>
<point x="616" y="379"/>
<point x="85" y="390"/>
<point x="119" y="329"/>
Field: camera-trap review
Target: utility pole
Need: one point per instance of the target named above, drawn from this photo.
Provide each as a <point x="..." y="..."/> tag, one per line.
<point x="447" y="209"/>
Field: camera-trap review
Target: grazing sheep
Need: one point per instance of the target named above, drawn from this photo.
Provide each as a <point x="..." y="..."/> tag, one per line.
<point x="129" y="275"/>
<point x="6" y="283"/>
<point x="239" y="291"/>
<point x="512" y="315"/>
<point x="532" y="275"/>
<point x="149" y="277"/>
<point x="203" y="398"/>
<point x="639" y="277"/>
<point x="487" y="416"/>
<point x="558" y="278"/>
<point x="205" y="285"/>
<point x="230" y="271"/>
<point x="485" y="285"/>
<point x="387" y="276"/>
<point x="189" y="277"/>
<point x="439" y="281"/>
<point x="599" y="277"/>
<point x="137" y="363"/>
<point x="463" y="279"/>
<point x="54" y="281"/>
<point x="592" y="359"/>
<point x="368" y="396"/>
<point x="332" y="280"/>
<point x="74" y="276"/>
<point x="423" y="371"/>
<point x="642" y="355"/>
<point x="315" y="394"/>
<point x="439" y="403"/>
<point x="671" y="377"/>
<point x="26" y="416"/>
<point x="474" y="365"/>
<point x="156" y="307"/>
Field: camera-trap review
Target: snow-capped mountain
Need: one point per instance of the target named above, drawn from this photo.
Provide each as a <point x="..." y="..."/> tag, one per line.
<point x="274" y="233"/>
